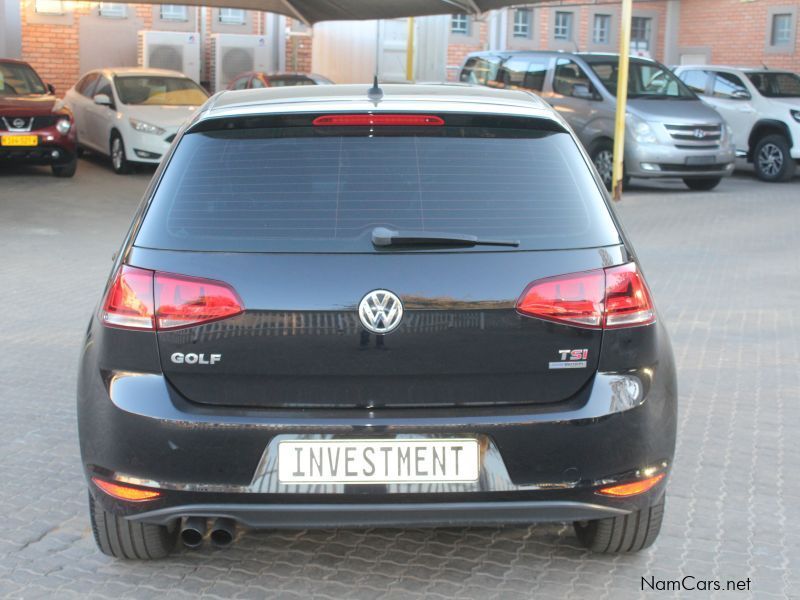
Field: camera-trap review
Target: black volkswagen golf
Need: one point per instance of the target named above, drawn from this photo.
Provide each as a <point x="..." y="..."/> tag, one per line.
<point x="338" y="307"/>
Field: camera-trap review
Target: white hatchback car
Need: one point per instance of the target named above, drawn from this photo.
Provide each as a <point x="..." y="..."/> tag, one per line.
<point x="762" y="107"/>
<point x="132" y="114"/>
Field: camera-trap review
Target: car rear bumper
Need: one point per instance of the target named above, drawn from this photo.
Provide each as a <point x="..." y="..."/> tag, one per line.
<point x="406" y="514"/>
<point x="550" y="460"/>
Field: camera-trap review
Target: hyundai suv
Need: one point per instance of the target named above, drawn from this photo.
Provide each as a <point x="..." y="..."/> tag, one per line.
<point x="762" y="107"/>
<point x="670" y="133"/>
<point x="398" y="307"/>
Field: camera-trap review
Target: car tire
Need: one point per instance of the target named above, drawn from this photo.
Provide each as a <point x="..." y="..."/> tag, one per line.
<point x="628" y="533"/>
<point x="119" y="162"/>
<point x="772" y="160"/>
<point x="702" y="184"/>
<point x="602" y="156"/>
<point x="65" y="169"/>
<point x="130" y="540"/>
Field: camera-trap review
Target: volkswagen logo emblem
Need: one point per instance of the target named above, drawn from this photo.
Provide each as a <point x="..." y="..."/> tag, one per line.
<point x="380" y="311"/>
<point x="18" y="123"/>
<point x="699" y="134"/>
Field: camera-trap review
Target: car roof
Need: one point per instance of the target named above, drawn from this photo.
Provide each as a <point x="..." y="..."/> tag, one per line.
<point x="13" y="61"/>
<point x="396" y="97"/>
<point x="510" y="53"/>
<point x="730" y="68"/>
<point x="123" y="71"/>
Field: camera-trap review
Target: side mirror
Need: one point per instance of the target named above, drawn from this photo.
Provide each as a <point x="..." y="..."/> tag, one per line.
<point x="102" y="100"/>
<point x="741" y="95"/>
<point x="582" y="91"/>
<point x="51" y="88"/>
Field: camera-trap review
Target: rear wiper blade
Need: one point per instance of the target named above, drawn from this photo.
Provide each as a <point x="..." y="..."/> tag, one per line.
<point x="381" y="236"/>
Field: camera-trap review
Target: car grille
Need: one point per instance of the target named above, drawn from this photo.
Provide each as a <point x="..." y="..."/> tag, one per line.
<point x="31" y="123"/>
<point x="695" y="137"/>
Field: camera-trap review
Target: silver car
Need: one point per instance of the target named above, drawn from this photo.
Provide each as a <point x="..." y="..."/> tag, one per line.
<point x="670" y="131"/>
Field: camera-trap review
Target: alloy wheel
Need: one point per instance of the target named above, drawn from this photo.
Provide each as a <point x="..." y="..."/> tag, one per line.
<point x="770" y="160"/>
<point x="116" y="153"/>
<point x="604" y="162"/>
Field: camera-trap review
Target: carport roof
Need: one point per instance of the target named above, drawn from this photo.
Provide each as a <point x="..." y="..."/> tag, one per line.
<point x="314" y="11"/>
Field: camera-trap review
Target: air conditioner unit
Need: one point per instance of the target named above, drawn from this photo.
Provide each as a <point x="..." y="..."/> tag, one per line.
<point x="234" y="53"/>
<point x="173" y="50"/>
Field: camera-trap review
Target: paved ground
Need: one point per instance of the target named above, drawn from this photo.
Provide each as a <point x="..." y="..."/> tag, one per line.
<point x="725" y="270"/>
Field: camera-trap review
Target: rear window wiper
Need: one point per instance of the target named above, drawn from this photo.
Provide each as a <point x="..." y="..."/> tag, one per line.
<point x="381" y="236"/>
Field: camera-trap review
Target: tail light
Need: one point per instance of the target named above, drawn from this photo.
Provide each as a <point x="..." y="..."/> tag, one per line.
<point x="129" y="302"/>
<point x="397" y="120"/>
<point x="601" y="299"/>
<point x="149" y="300"/>
<point x="184" y="301"/>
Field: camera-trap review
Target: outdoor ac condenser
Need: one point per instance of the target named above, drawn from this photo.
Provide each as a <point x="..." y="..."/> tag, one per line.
<point x="174" y="50"/>
<point x="234" y="53"/>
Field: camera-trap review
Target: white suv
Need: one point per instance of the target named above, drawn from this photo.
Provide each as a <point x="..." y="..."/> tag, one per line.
<point x="762" y="107"/>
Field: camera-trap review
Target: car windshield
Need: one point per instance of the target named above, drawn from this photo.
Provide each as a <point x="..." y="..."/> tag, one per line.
<point x="19" y="80"/>
<point x="776" y="85"/>
<point x="160" y="91"/>
<point x="646" y="79"/>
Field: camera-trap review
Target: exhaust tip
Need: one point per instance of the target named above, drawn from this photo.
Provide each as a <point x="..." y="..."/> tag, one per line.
<point x="193" y="531"/>
<point x="223" y="532"/>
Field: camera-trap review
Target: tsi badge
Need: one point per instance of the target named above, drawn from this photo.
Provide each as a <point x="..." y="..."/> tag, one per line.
<point x="191" y="358"/>
<point x="571" y="359"/>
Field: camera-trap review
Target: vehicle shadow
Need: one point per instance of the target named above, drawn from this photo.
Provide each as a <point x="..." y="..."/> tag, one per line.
<point x="488" y="562"/>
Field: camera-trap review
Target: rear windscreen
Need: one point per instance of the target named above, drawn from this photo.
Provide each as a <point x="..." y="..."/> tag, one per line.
<point x="324" y="189"/>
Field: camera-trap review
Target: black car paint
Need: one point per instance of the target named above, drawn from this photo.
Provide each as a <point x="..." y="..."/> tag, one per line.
<point x="134" y="421"/>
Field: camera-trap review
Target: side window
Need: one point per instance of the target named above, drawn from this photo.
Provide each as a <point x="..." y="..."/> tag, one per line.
<point x="512" y="73"/>
<point x="104" y="87"/>
<point x="569" y="79"/>
<point x="695" y="79"/>
<point x="257" y="82"/>
<point x="86" y="85"/>
<point x="483" y="71"/>
<point x="241" y="83"/>
<point x="729" y="86"/>
<point x="535" y="75"/>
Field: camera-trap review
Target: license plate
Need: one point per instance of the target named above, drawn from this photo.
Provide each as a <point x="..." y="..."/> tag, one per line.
<point x="20" y="140"/>
<point x="378" y="461"/>
<point x="701" y="160"/>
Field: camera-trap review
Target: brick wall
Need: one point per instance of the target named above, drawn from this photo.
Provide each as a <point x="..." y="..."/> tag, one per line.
<point x="735" y="32"/>
<point x="298" y="50"/>
<point x="457" y="50"/>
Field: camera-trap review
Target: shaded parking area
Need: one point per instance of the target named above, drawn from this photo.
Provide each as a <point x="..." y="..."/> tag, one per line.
<point x="725" y="271"/>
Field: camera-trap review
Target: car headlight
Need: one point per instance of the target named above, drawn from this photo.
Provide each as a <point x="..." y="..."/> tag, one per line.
<point x="641" y="130"/>
<point x="796" y="115"/>
<point x="146" y="127"/>
<point x="63" y="126"/>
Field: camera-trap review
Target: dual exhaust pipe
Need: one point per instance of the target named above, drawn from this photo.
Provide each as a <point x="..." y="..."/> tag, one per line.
<point x="193" y="532"/>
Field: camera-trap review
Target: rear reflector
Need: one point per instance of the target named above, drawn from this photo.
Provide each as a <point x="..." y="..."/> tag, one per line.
<point x="125" y="492"/>
<point x="366" y="119"/>
<point x="148" y="300"/>
<point x="632" y="489"/>
<point x="609" y="298"/>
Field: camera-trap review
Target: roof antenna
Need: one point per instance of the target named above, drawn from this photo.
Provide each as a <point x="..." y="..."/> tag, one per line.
<point x="375" y="93"/>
